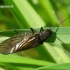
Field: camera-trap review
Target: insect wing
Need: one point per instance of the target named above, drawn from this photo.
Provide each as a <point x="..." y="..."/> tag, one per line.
<point x="8" y="46"/>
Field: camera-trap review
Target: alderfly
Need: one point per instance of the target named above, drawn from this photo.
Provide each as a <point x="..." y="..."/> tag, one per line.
<point x="26" y="40"/>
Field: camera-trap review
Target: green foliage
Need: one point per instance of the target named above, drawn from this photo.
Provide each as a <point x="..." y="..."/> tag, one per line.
<point x="26" y="14"/>
<point x="65" y="66"/>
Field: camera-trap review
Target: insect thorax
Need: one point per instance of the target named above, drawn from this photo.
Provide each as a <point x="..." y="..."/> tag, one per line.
<point x="45" y="34"/>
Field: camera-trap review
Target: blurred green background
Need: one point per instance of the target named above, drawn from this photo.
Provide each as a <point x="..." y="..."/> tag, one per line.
<point x="24" y="14"/>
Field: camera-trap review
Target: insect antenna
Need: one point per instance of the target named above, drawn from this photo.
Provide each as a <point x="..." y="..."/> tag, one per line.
<point x="57" y="30"/>
<point x="58" y="27"/>
<point x="60" y="23"/>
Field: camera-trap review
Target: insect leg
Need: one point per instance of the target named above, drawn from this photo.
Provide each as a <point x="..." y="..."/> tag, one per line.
<point x="41" y="29"/>
<point x="15" y="31"/>
<point x="33" y="31"/>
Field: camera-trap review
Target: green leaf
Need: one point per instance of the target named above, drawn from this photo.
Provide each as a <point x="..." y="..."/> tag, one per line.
<point x="64" y="66"/>
<point x="25" y="15"/>
<point x="62" y="33"/>
<point x="17" y="61"/>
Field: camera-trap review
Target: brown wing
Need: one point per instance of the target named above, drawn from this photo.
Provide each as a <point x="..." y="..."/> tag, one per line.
<point x="14" y="42"/>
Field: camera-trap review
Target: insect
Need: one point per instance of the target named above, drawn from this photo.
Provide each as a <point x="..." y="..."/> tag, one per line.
<point x="25" y="40"/>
